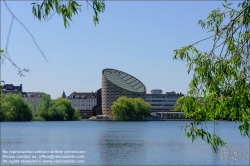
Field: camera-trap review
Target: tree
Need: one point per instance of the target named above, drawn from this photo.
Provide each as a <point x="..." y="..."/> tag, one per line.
<point x="178" y="106"/>
<point x="66" y="9"/>
<point x="69" y="110"/>
<point x="44" y="106"/>
<point x="43" y="11"/>
<point x="220" y="85"/>
<point x="76" y="115"/>
<point x="15" y="108"/>
<point x="125" y="109"/>
<point x="57" y="110"/>
<point x="142" y="108"/>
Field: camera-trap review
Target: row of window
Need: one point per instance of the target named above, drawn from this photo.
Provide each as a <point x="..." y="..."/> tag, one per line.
<point x="83" y="105"/>
<point x="160" y="109"/>
<point x="162" y="105"/>
<point x="161" y="97"/>
<point x="161" y="100"/>
<point x="81" y="108"/>
<point x="30" y="95"/>
<point x="32" y="99"/>
<point x="80" y="96"/>
<point x="83" y="100"/>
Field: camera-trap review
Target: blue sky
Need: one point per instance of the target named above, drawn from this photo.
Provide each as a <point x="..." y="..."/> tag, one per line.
<point x="137" y="37"/>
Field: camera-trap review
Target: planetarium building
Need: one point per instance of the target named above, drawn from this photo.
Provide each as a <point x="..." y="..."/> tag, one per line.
<point x="115" y="84"/>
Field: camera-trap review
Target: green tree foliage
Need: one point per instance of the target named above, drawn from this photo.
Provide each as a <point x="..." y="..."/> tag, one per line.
<point x="220" y="85"/>
<point x="66" y="9"/>
<point x="76" y="115"/>
<point x="178" y="105"/>
<point x="142" y="108"/>
<point x="57" y="110"/>
<point x="15" y="108"/>
<point x="44" y="106"/>
<point x="131" y="109"/>
<point x="38" y="118"/>
<point x="69" y="110"/>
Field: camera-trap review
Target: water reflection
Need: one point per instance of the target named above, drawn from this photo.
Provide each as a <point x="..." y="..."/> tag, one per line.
<point x="118" y="147"/>
<point x="125" y="143"/>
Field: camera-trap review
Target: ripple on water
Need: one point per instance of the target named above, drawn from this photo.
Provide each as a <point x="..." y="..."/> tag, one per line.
<point x="122" y="143"/>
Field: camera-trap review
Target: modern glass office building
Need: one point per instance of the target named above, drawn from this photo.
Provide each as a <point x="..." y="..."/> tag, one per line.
<point x="116" y="83"/>
<point x="162" y="102"/>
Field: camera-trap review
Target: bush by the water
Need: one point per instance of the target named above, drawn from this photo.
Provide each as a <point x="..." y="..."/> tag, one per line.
<point x="14" y="108"/>
<point x="38" y="118"/>
<point x="130" y="109"/>
<point x="57" y="110"/>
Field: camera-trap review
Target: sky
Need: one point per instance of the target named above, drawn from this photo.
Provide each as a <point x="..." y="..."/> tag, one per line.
<point x="136" y="37"/>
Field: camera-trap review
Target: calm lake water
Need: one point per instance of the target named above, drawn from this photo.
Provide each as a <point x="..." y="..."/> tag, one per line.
<point x="123" y="143"/>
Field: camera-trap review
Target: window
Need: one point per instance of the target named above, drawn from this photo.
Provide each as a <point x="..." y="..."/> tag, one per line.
<point x="85" y="113"/>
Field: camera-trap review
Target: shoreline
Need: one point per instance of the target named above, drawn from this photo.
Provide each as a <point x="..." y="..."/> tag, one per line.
<point x="124" y="121"/>
<point x="152" y="120"/>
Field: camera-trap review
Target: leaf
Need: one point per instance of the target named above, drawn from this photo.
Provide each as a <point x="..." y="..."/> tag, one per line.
<point x="50" y="4"/>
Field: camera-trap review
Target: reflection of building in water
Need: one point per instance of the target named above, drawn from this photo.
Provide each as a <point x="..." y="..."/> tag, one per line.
<point x="117" y="147"/>
<point x="115" y="84"/>
<point x="171" y="115"/>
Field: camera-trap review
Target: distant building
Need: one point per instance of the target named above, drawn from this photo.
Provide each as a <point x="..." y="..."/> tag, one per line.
<point x="84" y="101"/>
<point x="162" y="102"/>
<point x="63" y="95"/>
<point x="156" y="91"/>
<point x="97" y="110"/>
<point x="10" y="88"/>
<point x="33" y="98"/>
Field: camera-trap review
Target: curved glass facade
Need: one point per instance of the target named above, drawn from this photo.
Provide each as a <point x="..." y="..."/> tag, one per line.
<point x="116" y="83"/>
